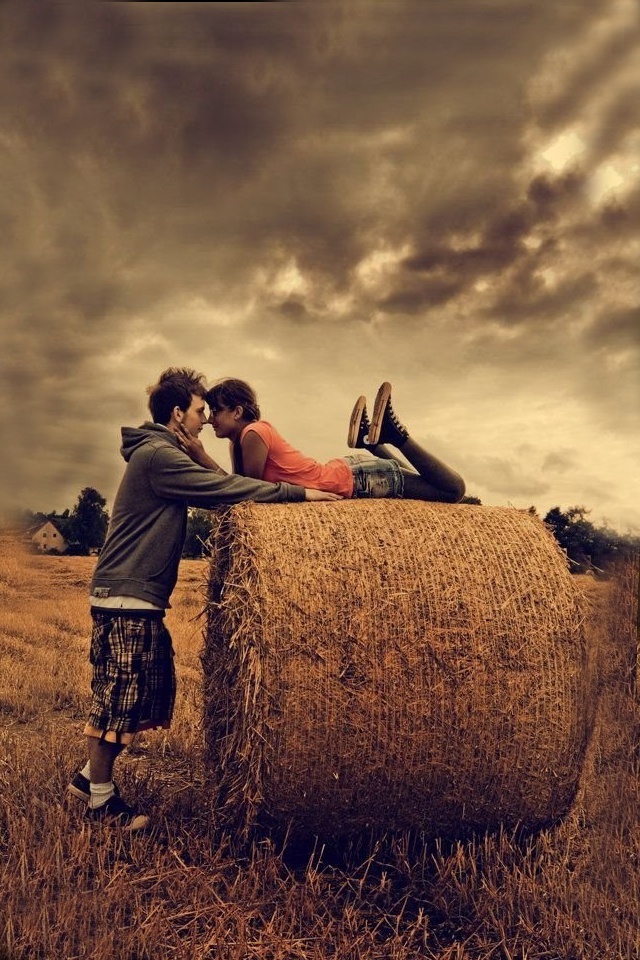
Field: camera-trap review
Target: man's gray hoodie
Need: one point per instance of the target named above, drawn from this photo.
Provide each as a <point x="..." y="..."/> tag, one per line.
<point x="148" y="525"/>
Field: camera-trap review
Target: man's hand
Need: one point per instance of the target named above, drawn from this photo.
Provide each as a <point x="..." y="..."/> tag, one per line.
<point x="310" y="494"/>
<point x="192" y="446"/>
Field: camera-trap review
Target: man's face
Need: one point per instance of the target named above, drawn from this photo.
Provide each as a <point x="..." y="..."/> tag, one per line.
<point x="194" y="419"/>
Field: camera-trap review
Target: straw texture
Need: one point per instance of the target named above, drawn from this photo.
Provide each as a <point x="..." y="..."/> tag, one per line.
<point x="393" y="664"/>
<point x="623" y="621"/>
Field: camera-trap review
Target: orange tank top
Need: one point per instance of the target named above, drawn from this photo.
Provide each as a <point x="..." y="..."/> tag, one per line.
<point x="285" y="463"/>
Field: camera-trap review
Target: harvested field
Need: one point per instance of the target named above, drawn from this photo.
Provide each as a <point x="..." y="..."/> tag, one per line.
<point x="394" y="664"/>
<point x="194" y="891"/>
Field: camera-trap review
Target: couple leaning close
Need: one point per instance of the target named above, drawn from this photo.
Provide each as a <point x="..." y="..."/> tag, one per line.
<point x="167" y="470"/>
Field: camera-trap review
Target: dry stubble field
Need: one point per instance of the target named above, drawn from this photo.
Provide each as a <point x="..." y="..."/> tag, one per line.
<point x="192" y="891"/>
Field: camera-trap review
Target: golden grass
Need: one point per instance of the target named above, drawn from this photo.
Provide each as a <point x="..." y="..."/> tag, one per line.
<point x="192" y="891"/>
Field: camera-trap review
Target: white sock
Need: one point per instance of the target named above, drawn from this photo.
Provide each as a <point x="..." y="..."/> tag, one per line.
<point x="100" y="793"/>
<point x="86" y="770"/>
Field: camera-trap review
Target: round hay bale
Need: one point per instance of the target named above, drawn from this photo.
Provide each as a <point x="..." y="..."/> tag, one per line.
<point x="393" y="664"/>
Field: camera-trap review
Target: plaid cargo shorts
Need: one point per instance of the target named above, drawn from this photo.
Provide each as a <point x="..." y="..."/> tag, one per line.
<point x="134" y="682"/>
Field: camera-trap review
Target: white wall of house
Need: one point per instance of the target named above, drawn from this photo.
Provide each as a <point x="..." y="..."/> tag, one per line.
<point x="48" y="537"/>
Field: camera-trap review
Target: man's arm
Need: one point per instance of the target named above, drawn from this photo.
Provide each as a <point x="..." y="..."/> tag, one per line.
<point x="174" y="475"/>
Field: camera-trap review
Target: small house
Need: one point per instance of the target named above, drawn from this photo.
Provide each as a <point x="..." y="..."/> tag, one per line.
<point x="47" y="538"/>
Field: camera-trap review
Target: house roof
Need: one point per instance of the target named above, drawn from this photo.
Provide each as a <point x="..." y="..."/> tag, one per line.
<point x="33" y="531"/>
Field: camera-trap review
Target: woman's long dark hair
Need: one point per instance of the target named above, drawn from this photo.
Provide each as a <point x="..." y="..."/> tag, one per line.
<point x="234" y="393"/>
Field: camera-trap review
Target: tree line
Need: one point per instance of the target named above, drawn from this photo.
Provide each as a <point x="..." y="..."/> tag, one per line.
<point x="84" y="527"/>
<point x="588" y="547"/>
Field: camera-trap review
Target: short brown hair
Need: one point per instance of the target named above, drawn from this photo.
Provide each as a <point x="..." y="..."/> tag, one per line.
<point x="176" y="387"/>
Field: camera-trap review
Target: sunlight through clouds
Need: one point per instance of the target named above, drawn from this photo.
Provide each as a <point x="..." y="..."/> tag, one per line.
<point x="134" y="347"/>
<point x="288" y="281"/>
<point x="618" y="177"/>
<point x="565" y="150"/>
<point x="374" y="271"/>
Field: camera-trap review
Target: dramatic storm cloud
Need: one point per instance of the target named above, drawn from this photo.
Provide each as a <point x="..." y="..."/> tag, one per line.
<point x="316" y="197"/>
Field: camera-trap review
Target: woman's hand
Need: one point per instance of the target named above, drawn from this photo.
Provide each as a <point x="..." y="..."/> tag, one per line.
<point x="310" y="494"/>
<point x="192" y="446"/>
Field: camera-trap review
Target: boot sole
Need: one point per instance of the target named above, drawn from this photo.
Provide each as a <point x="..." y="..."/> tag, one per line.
<point x="139" y="822"/>
<point x="138" y="825"/>
<point x="379" y="407"/>
<point x="354" y="422"/>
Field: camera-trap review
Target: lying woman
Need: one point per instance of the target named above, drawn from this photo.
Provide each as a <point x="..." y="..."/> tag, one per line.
<point x="258" y="451"/>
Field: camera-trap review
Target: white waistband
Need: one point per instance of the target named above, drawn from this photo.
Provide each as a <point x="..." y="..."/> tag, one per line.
<point x="124" y="603"/>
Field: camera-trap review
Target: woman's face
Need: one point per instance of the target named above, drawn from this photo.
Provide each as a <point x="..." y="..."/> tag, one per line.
<point x="226" y="421"/>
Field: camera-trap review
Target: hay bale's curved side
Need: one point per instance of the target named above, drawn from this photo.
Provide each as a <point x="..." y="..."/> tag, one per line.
<point x="394" y="664"/>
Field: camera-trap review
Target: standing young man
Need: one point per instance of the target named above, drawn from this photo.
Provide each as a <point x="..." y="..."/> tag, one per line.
<point x="133" y="683"/>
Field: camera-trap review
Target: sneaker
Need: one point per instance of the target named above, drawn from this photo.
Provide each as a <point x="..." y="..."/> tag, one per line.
<point x="358" y="425"/>
<point x="79" y="787"/>
<point x="116" y="812"/>
<point x="385" y="426"/>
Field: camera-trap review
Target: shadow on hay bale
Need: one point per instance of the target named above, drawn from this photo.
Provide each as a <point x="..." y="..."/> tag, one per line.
<point x="391" y="665"/>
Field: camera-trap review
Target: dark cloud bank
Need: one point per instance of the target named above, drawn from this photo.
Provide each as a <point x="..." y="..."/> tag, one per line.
<point x="154" y="154"/>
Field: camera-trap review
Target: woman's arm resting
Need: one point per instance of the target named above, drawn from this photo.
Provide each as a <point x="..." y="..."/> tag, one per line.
<point x="254" y="455"/>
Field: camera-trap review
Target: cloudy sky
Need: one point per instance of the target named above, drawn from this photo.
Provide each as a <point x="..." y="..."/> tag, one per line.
<point x="316" y="197"/>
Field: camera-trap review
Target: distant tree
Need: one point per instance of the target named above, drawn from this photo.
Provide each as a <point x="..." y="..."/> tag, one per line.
<point x="474" y="500"/>
<point x="64" y="523"/>
<point x="26" y="519"/>
<point x="198" y="530"/>
<point x="87" y="524"/>
<point x="587" y="546"/>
